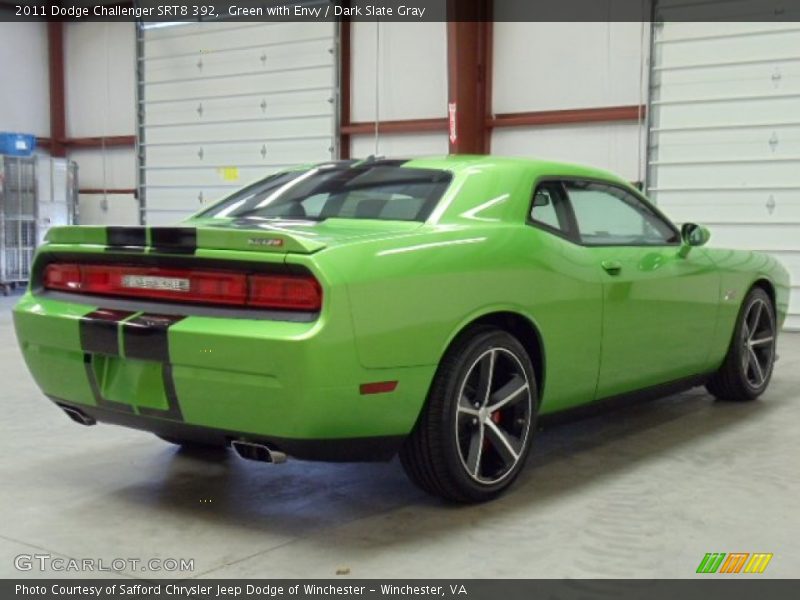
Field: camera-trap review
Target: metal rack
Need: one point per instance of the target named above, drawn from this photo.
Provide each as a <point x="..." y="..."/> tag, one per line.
<point x="36" y="193"/>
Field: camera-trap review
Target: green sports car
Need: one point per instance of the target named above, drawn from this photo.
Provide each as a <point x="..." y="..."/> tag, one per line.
<point x="434" y="308"/>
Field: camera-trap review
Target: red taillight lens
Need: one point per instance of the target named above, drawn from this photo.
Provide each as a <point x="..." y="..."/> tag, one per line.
<point x="286" y="292"/>
<point x="62" y="277"/>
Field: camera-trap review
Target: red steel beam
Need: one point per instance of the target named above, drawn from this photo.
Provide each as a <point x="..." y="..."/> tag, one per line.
<point x="404" y="126"/>
<point x="468" y="53"/>
<point x="58" y="119"/>
<point x="87" y="142"/>
<point x="565" y="117"/>
<point x="100" y="141"/>
<point x="345" y="86"/>
<point x="488" y="71"/>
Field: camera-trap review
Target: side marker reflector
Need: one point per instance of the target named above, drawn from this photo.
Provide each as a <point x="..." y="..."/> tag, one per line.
<point x="379" y="387"/>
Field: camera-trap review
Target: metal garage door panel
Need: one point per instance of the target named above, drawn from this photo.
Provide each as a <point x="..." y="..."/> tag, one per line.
<point x="240" y="107"/>
<point x="735" y="206"/>
<point x="770" y="77"/>
<point x="778" y="109"/>
<point x="249" y="62"/>
<point x="241" y="152"/>
<point x="243" y="129"/>
<point x="744" y="173"/>
<point x="725" y="138"/>
<point x="205" y="176"/>
<point x="755" y="236"/>
<point x="227" y="103"/>
<point x="734" y="143"/>
<point x="679" y="31"/>
<point x="731" y="48"/>
<point x="262" y="84"/>
<point x="221" y="37"/>
<point x="189" y="199"/>
<point x="166" y="217"/>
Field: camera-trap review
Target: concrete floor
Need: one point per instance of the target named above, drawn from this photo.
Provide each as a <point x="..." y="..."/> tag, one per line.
<point x="644" y="492"/>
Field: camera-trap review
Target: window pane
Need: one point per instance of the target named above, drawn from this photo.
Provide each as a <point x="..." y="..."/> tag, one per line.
<point x="369" y="191"/>
<point x="544" y="208"/>
<point x="610" y="215"/>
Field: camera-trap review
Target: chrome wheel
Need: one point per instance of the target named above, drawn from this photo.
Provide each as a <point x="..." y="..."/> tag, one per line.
<point x="493" y="416"/>
<point x="758" y="344"/>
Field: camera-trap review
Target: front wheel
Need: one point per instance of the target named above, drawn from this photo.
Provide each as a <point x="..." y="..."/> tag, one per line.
<point x="747" y="369"/>
<point x="474" y="434"/>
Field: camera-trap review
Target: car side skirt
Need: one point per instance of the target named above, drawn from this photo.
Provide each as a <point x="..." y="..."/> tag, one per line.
<point x="621" y="401"/>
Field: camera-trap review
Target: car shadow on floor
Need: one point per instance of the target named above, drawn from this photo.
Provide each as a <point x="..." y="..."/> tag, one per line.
<point x="298" y="498"/>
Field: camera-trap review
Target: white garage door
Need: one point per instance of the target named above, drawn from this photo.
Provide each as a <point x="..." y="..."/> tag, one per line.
<point x="223" y="104"/>
<point x="725" y="135"/>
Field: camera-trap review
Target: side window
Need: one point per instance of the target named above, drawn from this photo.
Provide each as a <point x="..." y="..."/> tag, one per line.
<point x="549" y="208"/>
<point x="610" y="216"/>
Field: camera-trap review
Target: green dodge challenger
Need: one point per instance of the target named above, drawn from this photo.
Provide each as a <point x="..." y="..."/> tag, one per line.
<point x="434" y="308"/>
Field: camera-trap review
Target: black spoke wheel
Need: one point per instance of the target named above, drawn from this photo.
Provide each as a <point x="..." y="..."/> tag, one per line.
<point x="474" y="434"/>
<point x="748" y="366"/>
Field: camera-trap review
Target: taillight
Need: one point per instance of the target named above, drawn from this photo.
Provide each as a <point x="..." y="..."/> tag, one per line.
<point x="284" y="292"/>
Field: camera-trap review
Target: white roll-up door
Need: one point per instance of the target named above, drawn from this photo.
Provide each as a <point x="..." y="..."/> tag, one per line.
<point x="725" y="135"/>
<point x="223" y="104"/>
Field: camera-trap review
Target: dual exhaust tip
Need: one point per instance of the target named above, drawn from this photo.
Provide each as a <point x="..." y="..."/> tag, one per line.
<point x="78" y="416"/>
<point x="258" y="452"/>
<point x="247" y="450"/>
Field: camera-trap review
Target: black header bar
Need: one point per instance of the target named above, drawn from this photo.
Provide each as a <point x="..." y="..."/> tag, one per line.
<point x="152" y="12"/>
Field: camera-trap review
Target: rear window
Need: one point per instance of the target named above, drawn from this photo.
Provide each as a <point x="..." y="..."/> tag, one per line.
<point x="365" y="191"/>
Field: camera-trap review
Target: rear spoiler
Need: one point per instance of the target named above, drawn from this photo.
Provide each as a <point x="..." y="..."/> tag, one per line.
<point x="183" y="240"/>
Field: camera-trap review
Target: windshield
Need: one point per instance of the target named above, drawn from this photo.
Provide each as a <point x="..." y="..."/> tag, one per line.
<point x="363" y="191"/>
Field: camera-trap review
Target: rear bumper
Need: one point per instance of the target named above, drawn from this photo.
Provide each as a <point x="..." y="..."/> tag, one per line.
<point x="362" y="449"/>
<point x="294" y="385"/>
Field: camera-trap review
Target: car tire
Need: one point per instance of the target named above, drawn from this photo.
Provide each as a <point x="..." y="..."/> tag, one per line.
<point x="460" y="449"/>
<point x="748" y="365"/>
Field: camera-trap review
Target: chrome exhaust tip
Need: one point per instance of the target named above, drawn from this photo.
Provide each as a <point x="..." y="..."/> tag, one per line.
<point x="78" y="416"/>
<point x="257" y="452"/>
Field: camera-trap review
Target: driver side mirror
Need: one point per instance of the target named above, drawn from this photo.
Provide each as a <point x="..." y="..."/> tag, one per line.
<point x="693" y="235"/>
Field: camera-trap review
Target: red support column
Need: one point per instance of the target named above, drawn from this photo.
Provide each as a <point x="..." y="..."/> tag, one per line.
<point x="469" y="30"/>
<point x="58" y="111"/>
<point x="344" y="89"/>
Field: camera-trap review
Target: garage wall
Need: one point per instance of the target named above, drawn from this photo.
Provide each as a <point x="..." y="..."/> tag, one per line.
<point x="411" y="61"/>
<point x="598" y="65"/>
<point x="24" y="83"/>
<point x="726" y="135"/>
<point x="610" y="146"/>
<point x="400" y="145"/>
<point x="99" y="62"/>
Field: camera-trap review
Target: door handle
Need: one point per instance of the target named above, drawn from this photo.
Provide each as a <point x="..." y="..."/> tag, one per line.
<point x="612" y="267"/>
